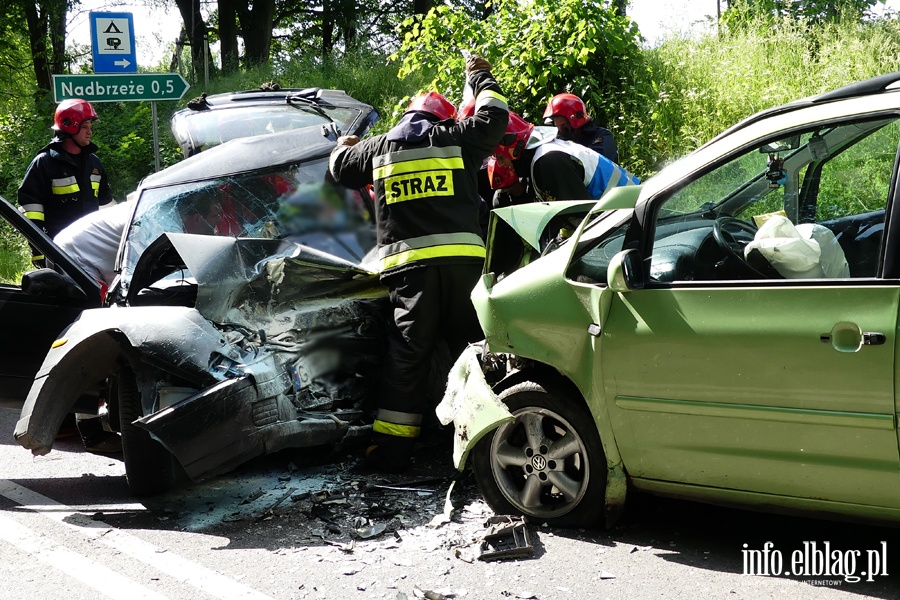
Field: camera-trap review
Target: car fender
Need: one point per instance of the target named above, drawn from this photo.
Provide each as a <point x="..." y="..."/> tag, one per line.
<point x="475" y="410"/>
<point x="175" y="339"/>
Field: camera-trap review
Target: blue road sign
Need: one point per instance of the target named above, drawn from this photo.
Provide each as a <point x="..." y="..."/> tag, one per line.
<point x="112" y="42"/>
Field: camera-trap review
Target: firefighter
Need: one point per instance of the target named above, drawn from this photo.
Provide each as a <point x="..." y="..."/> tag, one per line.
<point x="529" y="167"/>
<point x="65" y="180"/>
<point x="429" y="242"/>
<point x="569" y="114"/>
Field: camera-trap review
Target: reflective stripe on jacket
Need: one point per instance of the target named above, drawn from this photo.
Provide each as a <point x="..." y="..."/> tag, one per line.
<point x="424" y="176"/>
<point x="58" y="188"/>
<point x="600" y="173"/>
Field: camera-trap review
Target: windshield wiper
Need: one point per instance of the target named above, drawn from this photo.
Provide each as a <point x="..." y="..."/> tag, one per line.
<point x="303" y="102"/>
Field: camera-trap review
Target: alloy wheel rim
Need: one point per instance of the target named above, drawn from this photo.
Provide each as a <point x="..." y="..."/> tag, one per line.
<point x="540" y="463"/>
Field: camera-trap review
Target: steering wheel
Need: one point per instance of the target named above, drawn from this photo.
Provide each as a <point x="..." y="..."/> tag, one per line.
<point x="727" y="240"/>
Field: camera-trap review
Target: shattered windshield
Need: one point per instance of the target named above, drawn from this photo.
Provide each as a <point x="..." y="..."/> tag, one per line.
<point x="289" y="202"/>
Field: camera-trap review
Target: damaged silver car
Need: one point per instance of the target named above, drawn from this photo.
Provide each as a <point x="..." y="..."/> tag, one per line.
<point x="245" y="319"/>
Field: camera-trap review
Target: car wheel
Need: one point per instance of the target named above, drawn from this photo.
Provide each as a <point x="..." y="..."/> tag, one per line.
<point x="149" y="467"/>
<point x="548" y="464"/>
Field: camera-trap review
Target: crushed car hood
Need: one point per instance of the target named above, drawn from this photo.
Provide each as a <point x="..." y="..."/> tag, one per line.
<point x="248" y="281"/>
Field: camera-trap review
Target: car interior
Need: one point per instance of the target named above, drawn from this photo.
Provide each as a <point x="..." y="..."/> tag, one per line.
<point x="810" y="205"/>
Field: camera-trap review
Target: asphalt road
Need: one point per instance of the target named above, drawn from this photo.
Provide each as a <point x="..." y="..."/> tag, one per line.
<point x="310" y="525"/>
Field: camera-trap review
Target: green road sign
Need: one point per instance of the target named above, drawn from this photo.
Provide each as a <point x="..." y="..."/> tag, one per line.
<point x="133" y="87"/>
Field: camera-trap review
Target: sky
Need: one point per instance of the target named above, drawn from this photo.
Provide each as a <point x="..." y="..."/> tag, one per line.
<point x="155" y="29"/>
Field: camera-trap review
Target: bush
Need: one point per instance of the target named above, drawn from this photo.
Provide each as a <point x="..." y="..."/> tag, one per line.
<point x="541" y="48"/>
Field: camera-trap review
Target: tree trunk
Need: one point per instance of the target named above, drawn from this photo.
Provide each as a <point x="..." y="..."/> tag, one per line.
<point x="228" y="36"/>
<point x="256" y="30"/>
<point x="327" y="28"/>
<point x="196" y="30"/>
<point x="56" y="18"/>
<point x="37" y="32"/>
<point x="348" y="23"/>
<point x="421" y="7"/>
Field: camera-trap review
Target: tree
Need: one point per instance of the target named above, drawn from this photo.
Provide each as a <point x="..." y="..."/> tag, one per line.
<point x="46" y="21"/>
<point x="195" y="26"/>
<point x="228" y="35"/>
<point x="256" y="19"/>
<point x="540" y="48"/>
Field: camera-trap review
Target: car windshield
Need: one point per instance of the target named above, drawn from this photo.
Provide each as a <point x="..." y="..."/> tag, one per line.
<point x="779" y="175"/>
<point x="206" y="129"/>
<point x="289" y="201"/>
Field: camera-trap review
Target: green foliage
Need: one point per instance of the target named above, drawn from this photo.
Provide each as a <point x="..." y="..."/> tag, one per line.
<point x="707" y="83"/>
<point x="816" y="12"/>
<point x="540" y="48"/>
<point x="15" y="258"/>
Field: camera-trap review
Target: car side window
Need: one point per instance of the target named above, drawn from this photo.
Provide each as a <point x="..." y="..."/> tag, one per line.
<point x="596" y="247"/>
<point x="810" y="205"/>
<point x="15" y="257"/>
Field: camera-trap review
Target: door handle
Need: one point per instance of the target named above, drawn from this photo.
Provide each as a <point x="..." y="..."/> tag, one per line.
<point x="873" y="338"/>
<point x="847" y="337"/>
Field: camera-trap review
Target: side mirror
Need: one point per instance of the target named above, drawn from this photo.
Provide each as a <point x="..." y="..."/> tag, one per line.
<point x="48" y="283"/>
<point x="625" y="272"/>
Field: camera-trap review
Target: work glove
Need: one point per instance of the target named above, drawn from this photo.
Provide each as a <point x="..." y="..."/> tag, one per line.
<point x="347" y="140"/>
<point x="474" y="62"/>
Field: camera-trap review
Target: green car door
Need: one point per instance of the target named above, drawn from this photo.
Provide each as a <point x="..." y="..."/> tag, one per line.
<point x="760" y="354"/>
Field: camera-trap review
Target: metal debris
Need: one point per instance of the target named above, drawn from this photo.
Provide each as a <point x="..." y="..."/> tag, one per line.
<point x="370" y="531"/>
<point x="507" y="538"/>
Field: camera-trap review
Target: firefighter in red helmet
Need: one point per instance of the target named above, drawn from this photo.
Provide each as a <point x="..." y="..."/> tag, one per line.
<point x="569" y="114"/>
<point x="429" y="244"/>
<point x="528" y="165"/>
<point x="66" y="180"/>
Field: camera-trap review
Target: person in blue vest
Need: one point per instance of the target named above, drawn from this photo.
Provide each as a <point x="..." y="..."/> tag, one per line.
<point x="530" y="167"/>
<point x="66" y="180"/>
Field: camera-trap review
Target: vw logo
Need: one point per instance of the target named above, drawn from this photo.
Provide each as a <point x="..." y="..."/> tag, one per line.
<point x="539" y="462"/>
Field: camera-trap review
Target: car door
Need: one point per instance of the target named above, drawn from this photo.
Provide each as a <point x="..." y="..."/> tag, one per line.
<point x="30" y="322"/>
<point x="730" y="376"/>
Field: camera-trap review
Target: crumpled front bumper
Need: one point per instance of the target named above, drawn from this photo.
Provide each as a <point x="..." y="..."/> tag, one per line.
<point x="470" y="404"/>
<point x="225" y="425"/>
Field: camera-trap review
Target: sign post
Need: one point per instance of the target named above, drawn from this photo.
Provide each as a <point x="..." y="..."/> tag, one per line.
<point x="112" y="42"/>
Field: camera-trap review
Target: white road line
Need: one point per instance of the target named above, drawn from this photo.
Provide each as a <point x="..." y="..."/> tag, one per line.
<point x="91" y="573"/>
<point x="182" y="569"/>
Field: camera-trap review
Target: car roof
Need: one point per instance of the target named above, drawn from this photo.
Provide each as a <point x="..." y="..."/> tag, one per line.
<point x="209" y="120"/>
<point x="243" y="155"/>
<point x="280" y="96"/>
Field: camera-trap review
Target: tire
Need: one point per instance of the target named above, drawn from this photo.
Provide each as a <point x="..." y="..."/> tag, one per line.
<point x="149" y="467"/>
<point x="523" y="475"/>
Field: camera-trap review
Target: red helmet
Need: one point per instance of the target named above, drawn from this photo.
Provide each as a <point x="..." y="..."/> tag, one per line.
<point x="512" y="144"/>
<point x="70" y="114"/>
<point x="501" y="172"/>
<point x="569" y="106"/>
<point x="433" y="103"/>
<point x="466" y="109"/>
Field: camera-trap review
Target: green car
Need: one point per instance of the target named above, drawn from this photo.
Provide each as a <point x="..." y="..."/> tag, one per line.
<point x="725" y="332"/>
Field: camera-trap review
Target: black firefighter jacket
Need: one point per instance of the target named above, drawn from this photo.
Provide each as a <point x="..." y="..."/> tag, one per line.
<point x="424" y="175"/>
<point x="58" y="188"/>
